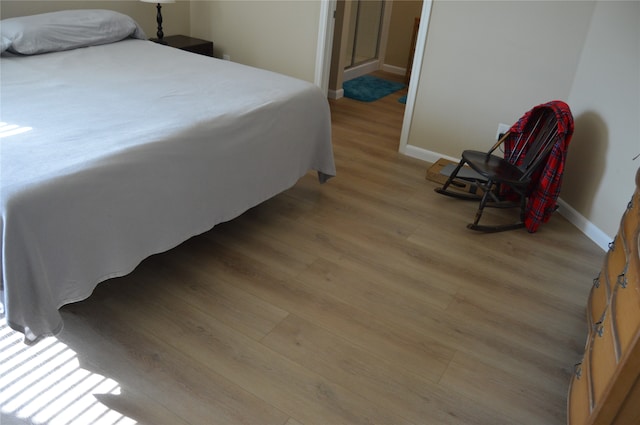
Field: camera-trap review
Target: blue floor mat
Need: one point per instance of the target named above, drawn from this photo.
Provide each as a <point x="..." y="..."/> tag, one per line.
<point x="368" y="88"/>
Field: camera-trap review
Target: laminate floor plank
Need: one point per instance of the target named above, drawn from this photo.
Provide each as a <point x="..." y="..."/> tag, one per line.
<point x="299" y="392"/>
<point x="230" y="305"/>
<point x="330" y="311"/>
<point x="385" y="383"/>
<point x="522" y="403"/>
<point x="160" y="384"/>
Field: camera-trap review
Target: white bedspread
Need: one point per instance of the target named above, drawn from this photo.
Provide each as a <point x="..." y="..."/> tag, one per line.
<point x="127" y="149"/>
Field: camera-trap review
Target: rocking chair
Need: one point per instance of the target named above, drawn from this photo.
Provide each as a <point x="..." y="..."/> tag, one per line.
<point x="529" y="174"/>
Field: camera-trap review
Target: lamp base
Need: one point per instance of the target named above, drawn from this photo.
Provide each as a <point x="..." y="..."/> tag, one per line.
<point x="160" y="34"/>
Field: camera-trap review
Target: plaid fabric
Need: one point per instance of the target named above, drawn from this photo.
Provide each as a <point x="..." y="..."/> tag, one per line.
<point x="545" y="183"/>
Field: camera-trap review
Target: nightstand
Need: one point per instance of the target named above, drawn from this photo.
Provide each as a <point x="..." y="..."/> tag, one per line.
<point x="190" y="44"/>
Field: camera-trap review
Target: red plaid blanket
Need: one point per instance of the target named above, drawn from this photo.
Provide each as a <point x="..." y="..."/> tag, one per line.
<point x="545" y="183"/>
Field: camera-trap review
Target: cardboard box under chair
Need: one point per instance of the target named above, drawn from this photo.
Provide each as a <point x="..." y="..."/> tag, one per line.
<point x="439" y="172"/>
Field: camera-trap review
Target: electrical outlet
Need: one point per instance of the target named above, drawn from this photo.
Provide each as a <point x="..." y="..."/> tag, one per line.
<point x="226" y="57"/>
<point x="502" y="128"/>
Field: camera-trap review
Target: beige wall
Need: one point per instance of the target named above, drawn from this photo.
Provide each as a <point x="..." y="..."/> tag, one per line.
<point x="403" y="13"/>
<point x="605" y="98"/>
<point x="176" y="15"/>
<point x="484" y="64"/>
<point x="280" y="36"/>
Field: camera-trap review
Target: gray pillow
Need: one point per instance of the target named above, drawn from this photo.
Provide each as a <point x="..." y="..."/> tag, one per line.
<point x="65" y="30"/>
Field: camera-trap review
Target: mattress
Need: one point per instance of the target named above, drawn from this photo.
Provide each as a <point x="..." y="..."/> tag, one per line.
<point x="115" y="152"/>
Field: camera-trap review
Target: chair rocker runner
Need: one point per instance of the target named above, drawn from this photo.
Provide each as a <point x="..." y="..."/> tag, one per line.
<point x="529" y="174"/>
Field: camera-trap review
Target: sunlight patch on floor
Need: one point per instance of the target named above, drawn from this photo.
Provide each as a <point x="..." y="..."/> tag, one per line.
<point x="44" y="384"/>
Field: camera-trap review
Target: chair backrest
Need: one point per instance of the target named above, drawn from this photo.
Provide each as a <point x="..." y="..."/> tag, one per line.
<point x="538" y="142"/>
<point x="532" y="140"/>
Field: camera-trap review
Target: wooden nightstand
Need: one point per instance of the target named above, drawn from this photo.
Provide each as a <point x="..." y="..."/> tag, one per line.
<point x="190" y="44"/>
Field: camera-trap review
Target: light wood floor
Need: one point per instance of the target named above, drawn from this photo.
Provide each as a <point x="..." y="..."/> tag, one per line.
<point x="362" y="301"/>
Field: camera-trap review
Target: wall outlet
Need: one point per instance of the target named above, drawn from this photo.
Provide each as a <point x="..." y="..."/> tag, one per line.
<point x="226" y="57"/>
<point x="502" y="128"/>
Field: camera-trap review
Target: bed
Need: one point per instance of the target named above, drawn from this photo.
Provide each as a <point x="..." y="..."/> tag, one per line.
<point x="115" y="148"/>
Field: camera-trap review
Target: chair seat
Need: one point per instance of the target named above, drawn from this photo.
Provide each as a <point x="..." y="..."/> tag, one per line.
<point x="494" y="168"/>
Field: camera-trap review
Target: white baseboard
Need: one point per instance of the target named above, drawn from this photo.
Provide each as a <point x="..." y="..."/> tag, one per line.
<point x="369" y="67"/>
<point x="335" y="94"/>
<point x="425" y="155"/>
<point x="392" y="69"/>
<point x="594" y="233"/>
<point x="357" y="71"/>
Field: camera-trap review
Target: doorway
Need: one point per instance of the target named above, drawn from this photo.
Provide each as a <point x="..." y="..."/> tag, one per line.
<point x="330" y="63"/>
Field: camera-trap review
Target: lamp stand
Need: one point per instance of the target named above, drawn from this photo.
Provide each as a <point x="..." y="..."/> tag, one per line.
<point x="160" y="34"/>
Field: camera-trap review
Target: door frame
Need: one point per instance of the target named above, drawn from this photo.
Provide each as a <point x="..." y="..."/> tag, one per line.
<point x="323" y="59"/>
<point x="421" y="43"/>
<point x="325" y="43"/>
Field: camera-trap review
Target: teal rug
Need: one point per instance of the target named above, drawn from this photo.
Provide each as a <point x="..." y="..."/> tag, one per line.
<point x="368" y="88"/>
